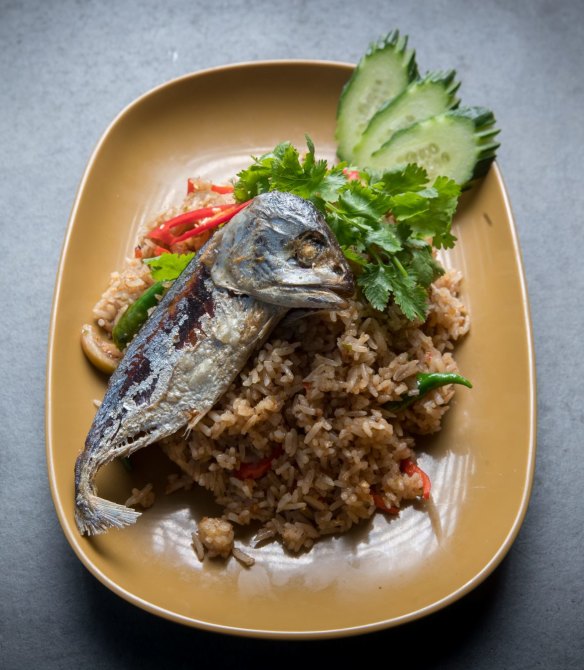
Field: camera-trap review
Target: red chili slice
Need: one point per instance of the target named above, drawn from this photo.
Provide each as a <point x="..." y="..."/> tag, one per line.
<point x="228" y="188"/>
<point x="254" y="470"/>
<point x="381" y="506"/>
<point x="158" y="251"/>
<point x="217" y="188"/>
<point x="212" y="222"/>
<point x="215" y="216"/>
<point x="410" y="468"/>
<point x="258" y="468"/>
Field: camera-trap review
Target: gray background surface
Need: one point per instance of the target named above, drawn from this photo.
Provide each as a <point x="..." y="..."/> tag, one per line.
<point x="66" y="69"/>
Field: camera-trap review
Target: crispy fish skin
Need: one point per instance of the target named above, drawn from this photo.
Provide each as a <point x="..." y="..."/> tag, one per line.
<point x="276" y="254"/>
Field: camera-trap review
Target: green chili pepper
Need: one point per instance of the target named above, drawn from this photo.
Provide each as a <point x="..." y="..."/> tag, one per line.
<point x="135" y="316"/>
<point x="426" y="382"/>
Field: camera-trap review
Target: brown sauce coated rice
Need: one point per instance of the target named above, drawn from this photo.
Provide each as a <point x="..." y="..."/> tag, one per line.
<point x="312" y="399"/>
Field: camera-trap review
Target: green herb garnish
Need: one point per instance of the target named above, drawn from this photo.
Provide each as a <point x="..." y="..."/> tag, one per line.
<point x="168" y="267"/>
<point x="386" y="223"/>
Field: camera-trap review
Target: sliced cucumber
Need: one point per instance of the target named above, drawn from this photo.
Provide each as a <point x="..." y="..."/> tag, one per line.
<point x="458" y="144"/>
<point x="430" y="96"/>
<point x="383" y="72"/>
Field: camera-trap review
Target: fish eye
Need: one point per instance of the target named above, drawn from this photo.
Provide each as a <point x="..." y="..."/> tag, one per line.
<point x="308" y="247"/>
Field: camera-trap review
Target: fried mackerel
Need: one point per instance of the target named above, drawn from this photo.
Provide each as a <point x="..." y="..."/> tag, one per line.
<point x="277" y="254"/>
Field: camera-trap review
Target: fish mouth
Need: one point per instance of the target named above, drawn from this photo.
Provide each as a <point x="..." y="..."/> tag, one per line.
<point x="332" y="292"/>
<point x="326" y="291"/>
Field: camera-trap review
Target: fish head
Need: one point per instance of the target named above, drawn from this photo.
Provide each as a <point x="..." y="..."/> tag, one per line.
<point x="280" y="250"/>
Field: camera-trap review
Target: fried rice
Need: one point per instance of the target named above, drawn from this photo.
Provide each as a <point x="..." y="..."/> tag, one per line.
<point x="302" y="445"/>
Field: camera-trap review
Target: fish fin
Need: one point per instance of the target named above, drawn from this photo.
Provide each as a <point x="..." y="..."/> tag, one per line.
<point x="95" y="515"/>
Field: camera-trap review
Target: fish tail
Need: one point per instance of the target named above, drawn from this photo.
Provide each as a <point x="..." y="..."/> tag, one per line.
<point x="95" y="515"/>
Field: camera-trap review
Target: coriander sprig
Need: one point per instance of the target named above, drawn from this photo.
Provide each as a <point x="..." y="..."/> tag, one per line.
<point x="386" y="223"/>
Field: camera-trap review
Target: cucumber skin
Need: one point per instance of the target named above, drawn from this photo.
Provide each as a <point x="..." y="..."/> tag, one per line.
<point x="444" y="80"/>
<point x="484" y="131"/>
<point x="392" y="41"/>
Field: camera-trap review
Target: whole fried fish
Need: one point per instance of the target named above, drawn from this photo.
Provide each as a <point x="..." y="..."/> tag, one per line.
<point x="277" y="254"/>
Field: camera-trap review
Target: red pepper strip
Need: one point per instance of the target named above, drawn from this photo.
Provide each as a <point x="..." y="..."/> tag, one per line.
<point x="161" y="235"/>
<point x="410" y="469"/>
<point x="380" y="504"/>
<point x="259" y="468"/>
<point x="163" y="232"/>
<point x="254" y="470"/>
<point x="194" y="215"/>
<point x="158" y="251"/>
<point x="228" y="188"/>
<point x="212" y="222"/>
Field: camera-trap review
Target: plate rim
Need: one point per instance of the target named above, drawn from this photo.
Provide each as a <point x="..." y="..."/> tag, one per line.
<point x="169" y="615"/>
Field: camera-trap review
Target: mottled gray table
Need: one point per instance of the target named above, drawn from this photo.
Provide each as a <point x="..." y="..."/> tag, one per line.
<point x="66" y="69"/>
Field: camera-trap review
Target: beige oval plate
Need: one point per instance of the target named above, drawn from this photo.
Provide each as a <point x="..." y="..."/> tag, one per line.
<point x="481" y="464"/>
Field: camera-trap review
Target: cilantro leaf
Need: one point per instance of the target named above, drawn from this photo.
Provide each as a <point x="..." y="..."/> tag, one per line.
<point x="355" y="257"/>
<point x="376" y="285"/>
<point x="380" y="281"/>
<point x="253" y="180"/>
<point x="328" y="188"/>
<point x="358" y="200"/>
<point x="409" y="205"/>
<point x="282" y="170"/>
<point x="168" y="267"/>
<point x="429" y="212"/>
<point x="410" y="296"/>
<point x="303" y="179"/>
<point x="348" y="234"/>
<point x="411" y="178"/>
<point x="421" y="263"/>
<point x="384" y="237"/>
